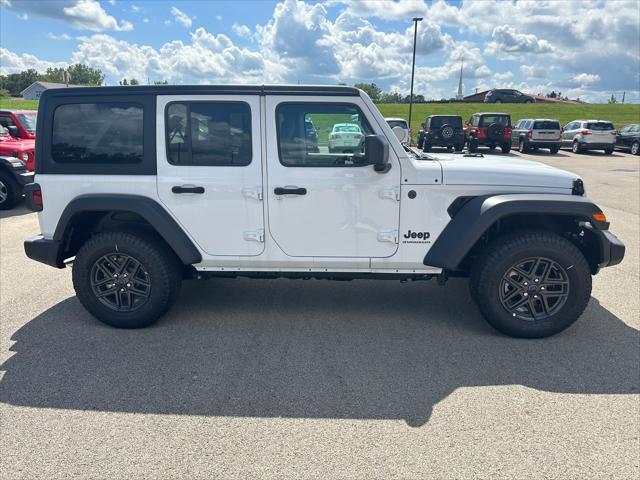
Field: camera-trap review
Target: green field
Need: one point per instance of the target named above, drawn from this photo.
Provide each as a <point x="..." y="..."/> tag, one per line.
<point x="619" y="114"/>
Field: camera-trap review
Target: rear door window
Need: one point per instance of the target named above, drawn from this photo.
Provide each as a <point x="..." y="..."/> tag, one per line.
<point x="599" y="126"/>
<point x="98" y="133"/>
<point x="438" y="122"/>
<point x="499" y="119"/>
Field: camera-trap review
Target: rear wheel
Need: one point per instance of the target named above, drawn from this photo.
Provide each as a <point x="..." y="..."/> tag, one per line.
<point x="498" y="101"/>
<point x="473" y="145"/>
<point x="554" y="150"/>
<point x="576" y="147"/>
<point x="9" y="191"/>
<point x="420" y="142"/>
<point x="505" y="147"/>
<point x="635" y="148"/>
<point x="126" y="280"/>
<point x="426" y="147"/>
<point x="459" y="147"/>
<point x="522" y="146"/>
<point x="608" y="151"/>
<point x="531" y="284"/>
<point x="449" y="148"/>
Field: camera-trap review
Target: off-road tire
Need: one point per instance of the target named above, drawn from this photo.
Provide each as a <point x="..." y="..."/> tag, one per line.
<point x="426" y="147"/>
<point x="10" y="192"/>
<point x="459" y="147"/>
<point x="504" y="252"/>
<point x="162" y="267"/>
<point x="420" y="142"/>
<point x="473" y="145"/>
<point x="505" y="147"/>
<point x="554" y="150"/>
<point x="635" y="148"/>
<point x="608" y="151"/>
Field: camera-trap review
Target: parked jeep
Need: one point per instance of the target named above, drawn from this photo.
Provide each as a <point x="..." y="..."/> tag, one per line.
<point x="139" y="188"/>
<point x="20" y="123"/>
<point x="490" y="129"/>
<point x="24" y="150"/>
<point x="534" y="133"/>
<point x="442" y="131"/>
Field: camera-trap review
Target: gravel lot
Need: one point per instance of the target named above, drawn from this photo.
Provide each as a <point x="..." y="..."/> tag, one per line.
<point x="363" y="379"/>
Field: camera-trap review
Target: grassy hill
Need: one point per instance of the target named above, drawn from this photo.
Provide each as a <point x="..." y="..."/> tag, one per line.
<point x="618" y="114"/>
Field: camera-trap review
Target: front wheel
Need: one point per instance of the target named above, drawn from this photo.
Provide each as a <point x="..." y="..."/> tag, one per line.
<point x="126" y="280"/>
<point x="531" y="284"/>
<point x="10" y="191"/>
<point x="635" y="148"/>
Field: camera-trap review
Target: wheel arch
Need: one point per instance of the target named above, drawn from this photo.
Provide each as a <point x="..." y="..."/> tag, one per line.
<point x="477" y="221"/>
<point x="89" y="214"/>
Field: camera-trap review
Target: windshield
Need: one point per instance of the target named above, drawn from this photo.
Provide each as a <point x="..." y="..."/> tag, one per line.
<point x="437" y="122"/>
<point x="3" y="131"/>
<point x="398" y="123"/>
<point x="487" y="120"/>
<point x="28" y="121"/>
<point x="347" y="128"/>
<point x="546" y="124"/>
<point x="599" y="126"/>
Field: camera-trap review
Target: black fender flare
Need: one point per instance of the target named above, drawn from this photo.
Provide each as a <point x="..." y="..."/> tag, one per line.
<point x="470" y="221"/>
<point x="145" y="207"/>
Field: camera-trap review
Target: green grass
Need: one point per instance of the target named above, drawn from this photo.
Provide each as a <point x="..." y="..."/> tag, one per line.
<point x="620" y="115"/>
<point x="18" y="103"/>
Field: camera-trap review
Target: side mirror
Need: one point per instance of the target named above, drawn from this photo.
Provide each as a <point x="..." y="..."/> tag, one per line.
<point x="13" y="131"/>
<point x="376" y="150"/>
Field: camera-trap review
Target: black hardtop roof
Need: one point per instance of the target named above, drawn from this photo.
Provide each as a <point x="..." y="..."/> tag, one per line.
<point x="337" y="90"/>
<point x="441" y="115"/>
<point x="492" y="113"/>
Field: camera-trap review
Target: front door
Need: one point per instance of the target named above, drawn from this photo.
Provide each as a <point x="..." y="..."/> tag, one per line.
<point x="323" y="200"/>
<point x="210" y="170"/>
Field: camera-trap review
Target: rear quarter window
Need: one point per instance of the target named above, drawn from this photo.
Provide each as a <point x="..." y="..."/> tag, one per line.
<point x="438" y="122"/>
<point x="503" y="120"/>
<point x="97" y="133"/>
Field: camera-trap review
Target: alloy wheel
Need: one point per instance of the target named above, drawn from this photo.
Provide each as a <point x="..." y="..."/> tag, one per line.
<point x="120" y="282"/>
<point x="4" y="192"/>
<point x="534" y="289"/>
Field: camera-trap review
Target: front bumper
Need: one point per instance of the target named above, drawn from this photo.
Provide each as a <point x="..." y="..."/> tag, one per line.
<point x="611" y="249"/>
<point x="44" y="251"/>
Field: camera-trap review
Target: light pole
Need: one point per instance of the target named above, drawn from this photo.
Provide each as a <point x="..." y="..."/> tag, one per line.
<point x="413" y="64"/>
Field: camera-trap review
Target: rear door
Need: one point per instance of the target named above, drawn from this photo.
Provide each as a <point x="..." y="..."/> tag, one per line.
<point x="322" y="203"/>
<point x="545" y="131"/>
<point x="601" y="132"/>
<point x="210" y="170"/>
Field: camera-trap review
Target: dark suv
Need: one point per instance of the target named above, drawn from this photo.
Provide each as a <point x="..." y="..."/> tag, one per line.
<point x="490" y="129"/>
<point x="442" y="131"/>
<point x="507" y="95"/>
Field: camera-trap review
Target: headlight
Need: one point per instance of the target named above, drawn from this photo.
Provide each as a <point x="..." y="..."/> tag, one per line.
<point x="25" y="157"/>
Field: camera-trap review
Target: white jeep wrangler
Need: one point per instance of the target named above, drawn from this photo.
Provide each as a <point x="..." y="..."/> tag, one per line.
<point x="141" y="187"/>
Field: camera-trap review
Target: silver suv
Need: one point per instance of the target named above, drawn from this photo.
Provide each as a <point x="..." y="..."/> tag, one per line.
<point x="582" y="135"/>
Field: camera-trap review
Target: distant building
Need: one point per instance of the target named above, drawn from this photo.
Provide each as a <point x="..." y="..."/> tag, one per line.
<point x="33" y="91"/>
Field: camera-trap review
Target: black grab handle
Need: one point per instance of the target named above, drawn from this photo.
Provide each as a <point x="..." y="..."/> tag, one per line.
<point x="178" y="189"/>
<point x="290" y="191"/>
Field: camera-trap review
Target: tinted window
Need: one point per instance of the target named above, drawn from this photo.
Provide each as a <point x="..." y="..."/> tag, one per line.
<point x="600" y="126"/>
<point x="28" y="121"/>
<point x="97" y="133"/>
<point x="437" y="122"/>
<point x="546" y="125"/>
<point x="209" y="133"/>
<point x="499" y="119"/>
<point x="6" y="121"/>
<point x="339" y="135"/>
<point x="397" y="123"/>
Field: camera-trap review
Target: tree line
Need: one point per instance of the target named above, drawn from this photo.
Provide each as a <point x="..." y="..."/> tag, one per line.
<point x="78" y="74"/>
<point x="378" y="96"/>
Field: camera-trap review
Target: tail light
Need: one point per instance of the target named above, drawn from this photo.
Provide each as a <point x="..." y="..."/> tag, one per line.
<point x="586" y="132"/>
<point x="561" y="132"/>
<point x="482" y="133"/>
<point x="31" y="162"/>
<point x="33" y="197"/>
<point x="529" y="134"/>
<point x="507" y="133"/>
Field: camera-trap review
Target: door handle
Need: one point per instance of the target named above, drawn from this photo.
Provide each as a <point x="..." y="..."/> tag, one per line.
<point x="290" y="191"/>
<point x="187" y="189"/>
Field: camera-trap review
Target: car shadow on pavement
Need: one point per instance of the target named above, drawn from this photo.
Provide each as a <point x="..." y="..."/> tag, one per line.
<point x="317" y="349"/>
<point x="18" y="210"/>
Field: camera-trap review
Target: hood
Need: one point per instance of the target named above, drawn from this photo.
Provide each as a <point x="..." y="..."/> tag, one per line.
<point x="501" y="170"/>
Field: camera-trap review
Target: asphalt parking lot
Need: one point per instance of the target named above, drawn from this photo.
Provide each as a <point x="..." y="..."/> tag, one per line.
<point x="316" y="379"/>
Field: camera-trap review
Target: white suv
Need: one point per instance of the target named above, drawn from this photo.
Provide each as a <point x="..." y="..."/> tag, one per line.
<point x="583" y="135"/>
<point x="141" y="187"/>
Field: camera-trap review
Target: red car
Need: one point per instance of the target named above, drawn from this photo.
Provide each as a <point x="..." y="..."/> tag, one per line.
<point x="24" y="122"/>
<point x="489" y="129"/>
<point x="18" y="148"/>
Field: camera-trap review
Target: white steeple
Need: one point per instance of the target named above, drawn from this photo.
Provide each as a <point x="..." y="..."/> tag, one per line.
<point x="459" y="96"/>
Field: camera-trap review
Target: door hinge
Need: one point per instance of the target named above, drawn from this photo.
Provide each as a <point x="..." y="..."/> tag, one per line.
<point x="253" y="192"/>
<point x="390" y="193"/>
<point x="254" y="235"/>
<point x="390" y="236"/>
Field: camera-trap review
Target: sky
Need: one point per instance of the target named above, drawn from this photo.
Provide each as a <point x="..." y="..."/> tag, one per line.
<point x="585" y="49"/>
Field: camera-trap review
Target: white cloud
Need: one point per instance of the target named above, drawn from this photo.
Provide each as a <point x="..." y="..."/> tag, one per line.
<point x="63" y="36"/>
<point x="11" y="62"/>
<point x="507" y="40"/>
<point x="80" y="14"/>
<point x="534" y="71"/>
<point x="241" y="30"/>
<point x="145" y="20"/>
<point x="586" y="78"/>
<point x="181" y="17"/>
